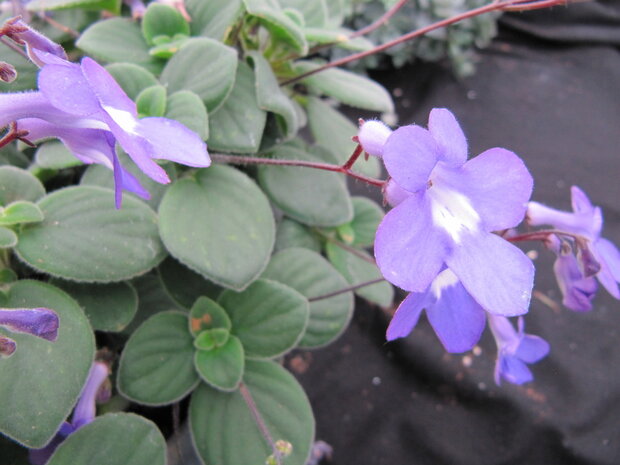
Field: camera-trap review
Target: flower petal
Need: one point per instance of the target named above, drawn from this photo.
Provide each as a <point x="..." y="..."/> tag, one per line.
<point x="448" y="133"/>
<point x="394" y="194"/>
<point x="66" y="88"/>
<point x="409" y="249"/>
<point x="608" y="281"/>
<point x="512" y="370"/>
<point x="410" y="154"/>
<point x="580" y="201"/>
<point x="532" y="349"/>
<point x="40" y="322"/>
<point x="498" y="185"/>
<point x="608" y="252"/>
<point x="106" y="89"/>
<point x="577" y="291"/>
<point x="173" y="141"/>
<point x="457" y="319"/>
<point x="407" y="315"/>
<point x="496" y="273"/>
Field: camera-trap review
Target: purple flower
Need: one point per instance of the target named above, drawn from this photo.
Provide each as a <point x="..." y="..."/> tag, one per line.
<point x="84" y="107"/>
<point x="40" y="322"/>
<point x="515" y="350"/>
<point x="84" y="413"/>
<point x="597" y="256"/>
<point x="37" y="45"/>
<point x="577" y="290"/>
<point x="458" y="320"/>
<point x="445" y="210"/>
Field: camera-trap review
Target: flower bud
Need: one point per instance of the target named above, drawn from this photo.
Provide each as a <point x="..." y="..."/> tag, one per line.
<point x="372" y="136"/>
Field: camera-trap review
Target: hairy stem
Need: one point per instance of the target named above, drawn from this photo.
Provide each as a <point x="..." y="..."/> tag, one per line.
<point x="249" y="400"/>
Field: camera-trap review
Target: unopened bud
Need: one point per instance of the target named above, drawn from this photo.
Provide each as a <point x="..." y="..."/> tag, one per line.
<point x="7" y="72"/>
<point x="372" y="135"/>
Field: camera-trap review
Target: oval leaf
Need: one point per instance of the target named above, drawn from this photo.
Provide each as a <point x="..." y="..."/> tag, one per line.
<point x="222" y="367"/>
<point x="17" y="184"/>
<point x="20" y="211"/>
<point x="221" y="209"/>
<point x="223" y="428"/>
<point x="207" y="314"/>
<point x="54" y="155"/>
<point x="183" y="285"/>
<point x="93" y="242"/>
<point x="313" y="276"/>
<point x="313" y="197"/>
<point x="42" y="380"/>
<point x="115" y="438"/>
<point x="8" y="238"/>
<point x="214" y="18"/>
<point x="132" y="78"/>
<point x="366" y="218"/>
<point x="163" y="20"/>
<point x="157" y="366"/>
<point x="268" y="317"/>
<point x="204" y="66"/>
<point x="292" y="234"/>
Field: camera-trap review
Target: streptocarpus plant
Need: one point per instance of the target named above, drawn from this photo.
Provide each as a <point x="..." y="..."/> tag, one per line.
<point x="218" y="270"/>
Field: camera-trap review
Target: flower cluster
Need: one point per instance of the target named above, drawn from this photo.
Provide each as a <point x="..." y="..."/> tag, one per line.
<point x="84" y="107"/>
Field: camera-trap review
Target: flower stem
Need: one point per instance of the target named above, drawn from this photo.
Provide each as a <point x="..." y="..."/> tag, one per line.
<point x="249" y="400"/>
<point x="243" y="160"/>
<point x="497" y="5"/>
<point x="542" y="235"/>
<point x="346" y="289"/>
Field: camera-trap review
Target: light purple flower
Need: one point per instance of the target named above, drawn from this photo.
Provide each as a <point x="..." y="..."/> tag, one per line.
<point x="458" y="320"/>
<point x="597" y="256"/>
<point x="577" y="290"/>
<point x="37" y="45"/>
<point x="515" y="350"/>
<point x="40" y="322"/>
<point x="84" y="412"/>
<point x="445" y="210"/>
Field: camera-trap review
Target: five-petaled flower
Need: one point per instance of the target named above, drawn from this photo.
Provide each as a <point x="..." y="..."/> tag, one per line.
<point x="597" y="256"/>
<point x="40" y="322"/>
<point x="515" y="350"/>
<point x="84" y="107"/>
<point x="445" y="209"/>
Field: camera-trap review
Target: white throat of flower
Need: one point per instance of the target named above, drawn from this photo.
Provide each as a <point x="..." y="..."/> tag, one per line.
<point x="123" y="118"/>
<point x="443" y="280"/>
<point x="452" y="211"/>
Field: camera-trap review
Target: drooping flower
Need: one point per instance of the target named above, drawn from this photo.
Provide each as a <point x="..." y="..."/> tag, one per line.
<point x="81" y="102"/>
<point x="598" y="256"/>
<point x="445" y="210"/>
<point x="40" y="322"/>
<point x="577" y="289"/>
<point x="458" y="320"/>
<point x="84" y="412"/>
<point x="515" y="350"/>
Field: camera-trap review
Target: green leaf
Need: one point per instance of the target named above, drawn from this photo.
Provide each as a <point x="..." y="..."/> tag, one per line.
<point x="347" y="87"/>
<point x="270" y="96"/>
<point x="118" y="40"/>
<point x="336" y="12"/>
<point x="113" y="439"/>
<point x="334" y="131"/>
<point x="214" y="18"/>
<point x="225" y="432"/>
<point x="223" y="211"/>
<point x="26" y="71"/>
<point x="132" y="78"/>
<point x="163" y="20"/>
<point x="109" y="307"/>
<point x="238" y="125"/>
<point x="222" y="367"/>
<point x="152" y="101"/>
<point x="99" y="175"/>
<point x="366" y="218"/>
<point x="204" y="66"/>
<point x="54" y="155"/>
<point x="183" y="285"/>
<point x="268" y="317"/>
<point x="157" y="364"/>
<point x="314" y="12"/>
<point x="282" y="27"/>
<point x="93" y="242"/>
<point x="313" y="276"/>
<point x="210" y="339"/>
<point x="168" y="48"/>
<point x="207" y="314"/>
<point x="42" y="380"/>
<point x="8" y="238"/>
<point x="187" y="108"/>
<point x="113" y="6"/>
<point x="358" y="271"/>
<point x="310" y="196"/>
<point x="292" y="234"/>
<point x="20" y="211"/>
<point x="17" y="184"/>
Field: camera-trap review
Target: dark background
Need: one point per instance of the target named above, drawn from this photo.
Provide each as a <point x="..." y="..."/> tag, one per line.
<point x="547" y="88"/>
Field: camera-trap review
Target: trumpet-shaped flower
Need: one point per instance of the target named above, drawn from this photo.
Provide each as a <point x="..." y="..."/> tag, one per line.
<point x="40" y="322"/>
<point x="515" y="350"/>
<point x="598" y="256"/>
<point x="458" y="320"/>
<point x="445" y="210"/>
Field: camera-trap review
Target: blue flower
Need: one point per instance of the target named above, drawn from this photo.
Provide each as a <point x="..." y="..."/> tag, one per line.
<point x="40" y="322"/>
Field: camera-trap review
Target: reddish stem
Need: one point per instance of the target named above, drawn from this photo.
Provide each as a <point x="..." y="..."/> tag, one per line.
<point x="543" y="235"/>
<point x="379" y="22"/>
<point x="15" y="134"/>
<point x="502" y="5"/>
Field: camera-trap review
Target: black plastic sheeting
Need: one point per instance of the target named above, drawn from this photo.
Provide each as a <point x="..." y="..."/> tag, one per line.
<point x="549" y="89"/>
